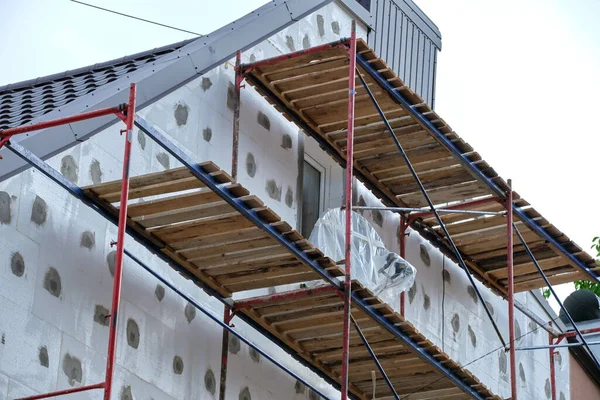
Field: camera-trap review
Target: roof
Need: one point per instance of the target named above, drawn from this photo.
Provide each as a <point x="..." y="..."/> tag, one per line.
<point x="311" y="88"/>
<point x="232" y="243"/>
<point x="22" y="102"/>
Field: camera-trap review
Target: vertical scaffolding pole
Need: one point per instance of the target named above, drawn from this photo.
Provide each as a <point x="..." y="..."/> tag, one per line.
<point x="236" y="114"/>
<point x="552" y="371"/>
<point x="348" y="206"/>
<point x="511" y="294"/>
<point x="404" y="222"/>
<point x="118" y="276"/>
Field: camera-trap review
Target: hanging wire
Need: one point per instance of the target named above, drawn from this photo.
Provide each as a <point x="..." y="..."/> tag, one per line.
<point x="137" y="18"/>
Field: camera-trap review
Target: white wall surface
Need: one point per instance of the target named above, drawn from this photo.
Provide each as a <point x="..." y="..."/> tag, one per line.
<point x="51" y="314"/>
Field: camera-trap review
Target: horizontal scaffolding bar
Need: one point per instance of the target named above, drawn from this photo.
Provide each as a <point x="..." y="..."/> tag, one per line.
<point x="257" y="301"/>
<point x="64" y="392"/>
<point x="440" y="210"/>
<point x="555" y="346"/>
<point x="583" y="332"/>
<point x="63" y="121"/>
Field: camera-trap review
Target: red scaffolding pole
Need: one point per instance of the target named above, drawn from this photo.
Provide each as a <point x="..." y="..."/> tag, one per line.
<point x="126" y="112"/>
<point x="511" y="294"/>
<point x="348" y="206"/>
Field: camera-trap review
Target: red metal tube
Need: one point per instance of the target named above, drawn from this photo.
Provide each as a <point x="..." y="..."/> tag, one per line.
<point x="61" y="121"/>
<point x="348" y="205"/>
<point x="511" y="294"/>
<point x="294" y="294"/>
<point x="118" y="276"/>
<point x="273" y="60"/>
<point x="573" y="333"/>
<point x="552" y="372"/>
<point x="64" y="392"/>
<point x="402" y="239"/>
<point x="236" y="114"/>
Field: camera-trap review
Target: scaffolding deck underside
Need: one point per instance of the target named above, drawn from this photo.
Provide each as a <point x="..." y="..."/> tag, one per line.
<point x="216" y="242"/>
<point x="310" y="88"/>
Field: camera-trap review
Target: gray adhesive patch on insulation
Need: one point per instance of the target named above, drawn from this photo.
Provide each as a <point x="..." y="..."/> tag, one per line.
<point x="141" y="137"/>
<point x="39" y="211"/>
<point x="181" y="114"/>
<point x="289" y="197"/>
<point x="254" y="355"/>
<point x="133" y="333"/>
<point x="3" y="339"/>
<point x="189" y="312"/>
<point x="207" y="134"/>
<point x="472" y="336"/>
<point x="424" y="254"/>
<point x="312" y="395"/>
<point x="72" y="368"/>
<point x="17" y="264"/>
<point x="517" y="331"/>
<point x="100" y="315"/>
<point x="159" y="292"/>
<point x="532" y="327"/>
<point x="502" y="362"/>
<point x="250" y="165"/>
<point x="377" y="217"/>
<point x="177" y="365"/>
<point x="335" y="27"/>
<point x="245" y="394"/>
<point x="522" y="374"/>
<point x="163" y="159"/>
<point x="412" y="292"/>
<point x="426" y="301"/>
<point x="5" y="214"/>
<point x="306" y="42"/>
<point x="206" y="84"/>
<point x="489" y="306"/>
<point x="209" y="381"/>
<point x="234" y="344"/>
<point x="558" y="359"/>
<point x="68" y="167"/>
<point x="252" y="58"/>
<point x="548" y="388"/>
<point x="361" y="203"/>
<point x="473" y="294"/>
<point x="231" y="96"/>
<point x="299" y="387"/>
<point x="126" y="393"/>
<point x="286" y="141"/>
<point x="562" y="396"/>
<point x="88" y="240"/>
<point x="43" y="356"/>
<point x="321" y="25"/>
<point x="52" y="282"/>
<point x="273" y="189"/>
<point x="95" y="172"/>
<point x="263" y="120"/>
<point x="272" y="290"/>
<point x="455" y="322"/>
<point x="111" y="259"/>
<point x="289" y="41"/>
<point x="447" y="277"/>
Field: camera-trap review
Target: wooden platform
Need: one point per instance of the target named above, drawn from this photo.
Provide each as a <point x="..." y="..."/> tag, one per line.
<point x="313" y="89"/>
<point x="313" y="326"/>
<point x="229" y="253"/>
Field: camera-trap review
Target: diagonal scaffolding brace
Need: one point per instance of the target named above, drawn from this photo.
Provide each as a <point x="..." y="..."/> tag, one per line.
<point x="457" y="253"/>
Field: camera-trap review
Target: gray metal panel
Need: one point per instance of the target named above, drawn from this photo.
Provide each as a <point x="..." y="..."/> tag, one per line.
<point x="407" y="41"/>
<point x="157" y="78"/>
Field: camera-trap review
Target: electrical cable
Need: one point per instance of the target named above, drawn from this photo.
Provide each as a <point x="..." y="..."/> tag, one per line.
<point x="134" y="17"/>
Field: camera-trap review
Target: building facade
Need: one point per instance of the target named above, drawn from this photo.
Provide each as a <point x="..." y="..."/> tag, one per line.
<point x="57" y="278"/>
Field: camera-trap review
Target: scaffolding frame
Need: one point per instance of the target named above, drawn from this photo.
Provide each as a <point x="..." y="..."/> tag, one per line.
<point x="126" y="112"/>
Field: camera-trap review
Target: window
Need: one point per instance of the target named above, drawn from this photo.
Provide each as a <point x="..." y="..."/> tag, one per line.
<point x="365" y="3"/>
<point x="312" y="194"/>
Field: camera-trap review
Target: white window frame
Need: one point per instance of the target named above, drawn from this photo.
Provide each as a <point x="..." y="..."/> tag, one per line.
<point x="316" y="165"/>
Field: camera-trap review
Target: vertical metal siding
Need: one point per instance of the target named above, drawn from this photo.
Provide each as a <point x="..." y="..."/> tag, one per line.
<point x="404" y="47"/>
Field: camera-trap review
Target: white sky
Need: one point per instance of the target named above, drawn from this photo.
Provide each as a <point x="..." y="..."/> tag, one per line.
<point x="519" y="80"/>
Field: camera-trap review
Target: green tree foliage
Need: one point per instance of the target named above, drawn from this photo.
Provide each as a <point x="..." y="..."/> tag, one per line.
<point x="589" y="285"/>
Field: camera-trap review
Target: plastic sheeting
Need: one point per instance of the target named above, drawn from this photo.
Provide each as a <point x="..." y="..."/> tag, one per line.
<point x="372" y="264"/>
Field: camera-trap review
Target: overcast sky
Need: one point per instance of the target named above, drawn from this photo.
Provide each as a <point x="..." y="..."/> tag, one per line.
<point x="517" y="79"/>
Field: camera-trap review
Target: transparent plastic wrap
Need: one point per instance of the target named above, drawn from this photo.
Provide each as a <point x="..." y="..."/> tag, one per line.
<point x="372" y="264"/>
